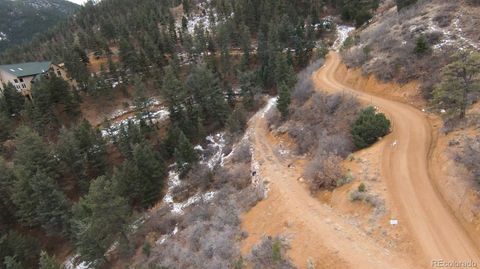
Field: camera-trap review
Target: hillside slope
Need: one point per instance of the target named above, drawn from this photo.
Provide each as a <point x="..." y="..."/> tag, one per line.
<point x="386" y="46"/>
<point x="20" y="20"/>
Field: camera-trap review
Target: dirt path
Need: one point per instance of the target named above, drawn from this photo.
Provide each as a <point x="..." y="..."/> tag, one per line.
<point x="429" y="219"/>
<point x="315" y="231"/>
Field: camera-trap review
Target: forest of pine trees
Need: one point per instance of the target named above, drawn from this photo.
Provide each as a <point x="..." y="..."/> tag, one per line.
<point x="59" y="177"/>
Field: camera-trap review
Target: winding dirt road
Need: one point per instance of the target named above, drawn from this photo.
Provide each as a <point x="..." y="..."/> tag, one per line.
<point x="315" y="231"/>
<point x="331" y="240"/>
<point x="430" y="221"/>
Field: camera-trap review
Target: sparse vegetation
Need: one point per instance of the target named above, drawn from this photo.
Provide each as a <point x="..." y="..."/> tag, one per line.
<point x="362" y="187"/>
<point x="470" y="157"/>
<point x="270" y="253"/>
<point x="460" y="84"/>
<point x="323" y="172"/>
<point x="401" y="4"/>
<point x="421" y="45"/>
<point x="369" y="127"/>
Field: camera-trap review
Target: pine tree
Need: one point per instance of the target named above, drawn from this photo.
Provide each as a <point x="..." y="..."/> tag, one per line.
<point x="173" y="92"/>
<point x="369" y="127"/>
<point x="39" y="202"/>
<point x="42" y="115"/>
<point x="203" y="86"/>
<point x="23" y="248"/>
<point x="12" y="263"/>
<point x="284" y="73"/>
<point x="401" y="4"/>
<point x="12" y="100"/>
<point x="185" y="155"/>
<point x="100" y="217"/>
<point x="460" y="78"/>
<point x="7" y="207"/>
<point x="128" y="56"/>
<point x="141" y="178"/>
<point x="7" y="126"/>
<point x="47" y="262"/>
<point x="223" y="41"/>
<point x="249" y="88"/>
<point x="421" y="45"/>
<point x="82" y="153"/>
<point x="32" y="153"/>
<point x="284" y="99"/>
<point x="76" y="65"/>
<point x="245" y="43"/>
<point x="237" y="121"/>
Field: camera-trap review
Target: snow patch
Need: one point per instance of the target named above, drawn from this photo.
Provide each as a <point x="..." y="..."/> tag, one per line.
<point x="270" y="104"/>
<point x="342" y="34"/>
<point x="453" y="37"/>
<point x="157" y="116"/>
<point x="71" y="263"/>
<point x="3" y="36"/>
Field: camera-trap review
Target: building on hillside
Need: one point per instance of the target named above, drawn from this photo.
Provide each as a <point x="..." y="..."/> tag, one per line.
<point x="23" y="75"/>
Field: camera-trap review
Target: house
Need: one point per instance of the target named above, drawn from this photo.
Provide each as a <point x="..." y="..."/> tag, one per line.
<point x="23" y="75"/>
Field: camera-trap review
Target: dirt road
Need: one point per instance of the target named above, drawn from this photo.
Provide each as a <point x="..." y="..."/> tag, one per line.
<point x="406" y="150"/>
<point x="315" y="231"/>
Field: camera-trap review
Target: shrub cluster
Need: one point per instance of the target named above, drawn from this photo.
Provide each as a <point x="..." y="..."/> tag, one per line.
<point x="369" y="127"/>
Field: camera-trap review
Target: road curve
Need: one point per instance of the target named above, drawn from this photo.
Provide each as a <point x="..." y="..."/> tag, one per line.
<point x="429" y="219"/>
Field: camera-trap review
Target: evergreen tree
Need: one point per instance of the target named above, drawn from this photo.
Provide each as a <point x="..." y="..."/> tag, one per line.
<point x="39" y="202"/>
<point x="421" y="45"/>
<point x="203" y="86"/>
<point x="369" y="127"/>
<point x="185" y="155"/>
<point x="237" y="121"/>
<point x="249" y="88"/>
<point x="82" y="153"/>
<point x="12" y="263"/>
<point x="141" y="178"/>
<point x="7" y="127"/>
<point x="460" y="79"/>
<point x="12" y="101"/>
<point x="24" y="249"/>
<point x="42" y="113"/>
<point x="100" y="217"/>
<point x="32" y="153"/>
<point x="284" y="100"/>
<point x="174" y="93"/>
<point x="76" y="65"/>
<point x="7" y="208"/>
<point x="284" y="73"/>
<point x="401" y="4"/>
<point x="245" y="45"/>
<point x="128" y="56"/>
<point x="47" y="262"/>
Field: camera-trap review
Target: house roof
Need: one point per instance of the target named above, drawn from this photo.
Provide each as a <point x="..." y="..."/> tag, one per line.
<point x="26" y="69"/>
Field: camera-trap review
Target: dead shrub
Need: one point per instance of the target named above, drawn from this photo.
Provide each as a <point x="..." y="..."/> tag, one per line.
<point x="237" y="175"/>
<point x="323" y="122"/>
<point x="323" y="172"/>
<point x="270" y="253"/>
<point x="304" y="87"/>
<point x="242" y="153"/>
<point x="273" y="117"/>
<point x="470" y="157"/>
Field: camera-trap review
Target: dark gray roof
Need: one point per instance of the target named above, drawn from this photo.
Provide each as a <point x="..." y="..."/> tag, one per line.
<point x="26" y="69"/>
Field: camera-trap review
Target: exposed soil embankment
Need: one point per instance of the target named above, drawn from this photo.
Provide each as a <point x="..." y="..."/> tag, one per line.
<point x="402" y="92"/>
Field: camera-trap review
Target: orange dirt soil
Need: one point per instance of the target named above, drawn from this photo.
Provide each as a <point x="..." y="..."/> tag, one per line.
<point x="329" y="229"/>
